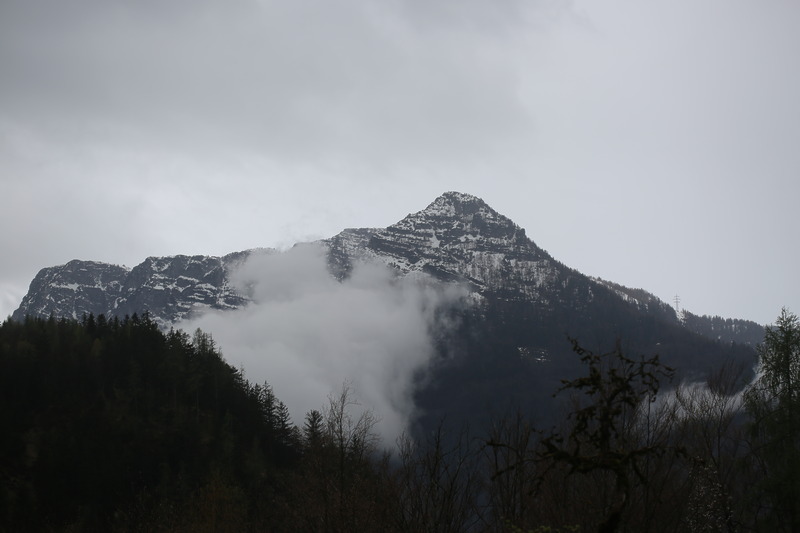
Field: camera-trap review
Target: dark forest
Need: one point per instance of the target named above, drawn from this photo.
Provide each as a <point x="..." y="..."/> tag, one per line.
<point x="114" y="425"/>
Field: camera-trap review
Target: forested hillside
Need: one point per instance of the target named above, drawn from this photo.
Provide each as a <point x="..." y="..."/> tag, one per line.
<point x="112" y="423"/>
<point x="117" y="426"/>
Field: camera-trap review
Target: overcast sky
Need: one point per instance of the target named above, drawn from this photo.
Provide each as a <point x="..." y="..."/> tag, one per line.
<point x="654" y="144"/>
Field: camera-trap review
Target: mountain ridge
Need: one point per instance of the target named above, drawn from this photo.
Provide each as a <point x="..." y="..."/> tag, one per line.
<point x="506" y="344"/>
<point x="169" y="288"/>
<point x="457" y="238"/>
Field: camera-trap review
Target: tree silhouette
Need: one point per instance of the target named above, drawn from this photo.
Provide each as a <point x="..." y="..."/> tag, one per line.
<point x="601" y="438"/>
<point x="773" y="401"/>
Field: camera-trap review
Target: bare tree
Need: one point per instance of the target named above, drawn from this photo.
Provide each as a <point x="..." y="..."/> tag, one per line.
<point x="512" y="481"/>
<point x="438" y="483"/>
<point x="602" y="443"/>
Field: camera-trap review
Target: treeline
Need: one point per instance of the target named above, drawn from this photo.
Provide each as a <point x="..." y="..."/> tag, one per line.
<point x="725" y="329"/>
<point x="113" y="425"/>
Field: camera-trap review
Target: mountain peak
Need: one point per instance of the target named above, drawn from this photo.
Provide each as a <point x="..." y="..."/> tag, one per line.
<point x="453" y="203"/>
<point x="456" y="215"/>
<point x="457" y="237"/>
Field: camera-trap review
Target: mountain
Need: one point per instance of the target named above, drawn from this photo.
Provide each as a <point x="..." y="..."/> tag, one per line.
<point x="508" y="349"/>
<point x="169" y="288"/>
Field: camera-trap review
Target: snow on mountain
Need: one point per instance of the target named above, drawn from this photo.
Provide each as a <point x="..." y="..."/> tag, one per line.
<point x="458" y="238"/>
<point x="169" y="288"/>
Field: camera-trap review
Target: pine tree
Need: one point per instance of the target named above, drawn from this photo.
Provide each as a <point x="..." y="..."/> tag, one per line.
<point x="773" y="402"/>
<point x="313" y="430"/>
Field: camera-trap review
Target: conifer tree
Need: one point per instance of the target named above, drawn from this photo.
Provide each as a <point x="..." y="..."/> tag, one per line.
<point x="773" y="402"/>
<point x="313" y="430"/>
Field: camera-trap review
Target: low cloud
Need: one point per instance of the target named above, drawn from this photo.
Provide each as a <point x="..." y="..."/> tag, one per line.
<point x="306" y="333"/>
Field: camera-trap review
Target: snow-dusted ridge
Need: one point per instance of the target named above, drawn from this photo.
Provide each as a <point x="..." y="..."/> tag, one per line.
<point x="457" y="238"/>
<point x="169" y="288"/>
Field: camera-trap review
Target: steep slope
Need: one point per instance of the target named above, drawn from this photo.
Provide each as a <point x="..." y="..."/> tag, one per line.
<point x="458" y="237"/>
<point x="73" y="289"/>
<point x="514" y="338"/>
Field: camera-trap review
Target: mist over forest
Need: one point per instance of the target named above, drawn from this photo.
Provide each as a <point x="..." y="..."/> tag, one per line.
<point x="114" y="425"/>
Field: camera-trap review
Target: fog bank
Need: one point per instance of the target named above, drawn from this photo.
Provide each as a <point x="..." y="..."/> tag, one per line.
<point x="306" y="333"/>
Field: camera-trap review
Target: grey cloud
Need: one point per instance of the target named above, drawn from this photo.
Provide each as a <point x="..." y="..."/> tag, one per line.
<point x="288" y="80"/>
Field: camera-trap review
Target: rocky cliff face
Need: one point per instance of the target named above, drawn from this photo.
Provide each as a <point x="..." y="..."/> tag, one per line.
<point x="458" y="238"/>
<point x="169" y="288"/>
<point x="74" y="289"/>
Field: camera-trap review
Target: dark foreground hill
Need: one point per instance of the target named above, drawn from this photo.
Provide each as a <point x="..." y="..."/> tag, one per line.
<point x="115" y="425"/>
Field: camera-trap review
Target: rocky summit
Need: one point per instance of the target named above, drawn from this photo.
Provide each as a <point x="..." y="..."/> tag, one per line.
<point x="458" y="237"/>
